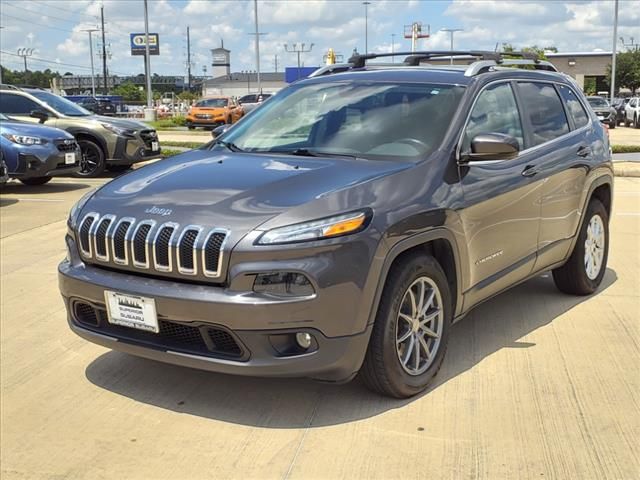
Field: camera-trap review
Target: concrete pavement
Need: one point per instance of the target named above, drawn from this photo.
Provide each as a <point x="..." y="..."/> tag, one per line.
<point x="536" y="384"/>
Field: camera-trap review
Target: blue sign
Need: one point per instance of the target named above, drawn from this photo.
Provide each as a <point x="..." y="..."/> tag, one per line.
<point x="293" y="74"/>
<point x="138" y="44"/>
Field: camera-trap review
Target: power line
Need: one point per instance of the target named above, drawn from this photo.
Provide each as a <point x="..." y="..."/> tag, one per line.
<point x="31" y="22"/>
<point x="40" y="13"/>
<point x="44" y="60"/>
<point x="75" y="12"/>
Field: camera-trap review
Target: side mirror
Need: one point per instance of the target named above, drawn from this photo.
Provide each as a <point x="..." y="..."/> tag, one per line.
<point x="216" y="132"/>
<point x="492" y="147"/>
<point x="41" y="115"/>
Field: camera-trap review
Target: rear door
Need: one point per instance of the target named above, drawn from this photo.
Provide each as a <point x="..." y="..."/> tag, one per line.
<point x="502" y="212"/>
<point x="561" y="133"/>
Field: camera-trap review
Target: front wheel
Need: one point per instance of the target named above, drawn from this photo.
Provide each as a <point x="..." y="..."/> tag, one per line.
<point x="33" y="181"/>
<point x="92" y="163"/>
<point x="612" y="125"/>
<point x="583" y="272"/>
<point x="636" y="122"/>
<point x="119" y="168"/>
<point x="411" y="330"/>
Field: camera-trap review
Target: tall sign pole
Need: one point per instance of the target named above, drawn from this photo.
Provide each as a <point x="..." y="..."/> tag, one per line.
<point x="613" y="52"/>
<point x="188" y="61"/>
<point x="104" y="53"/>
<point x="255" y="17"/>
<point x="147" y="57"/>
<point x="93" y="75"/>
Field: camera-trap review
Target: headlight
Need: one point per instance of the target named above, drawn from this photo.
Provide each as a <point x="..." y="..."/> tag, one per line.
<point x="75" y="210"/>
<point x="125" y="132"/>
<point x="316" y="230"/>
<point x="24" y="139"/>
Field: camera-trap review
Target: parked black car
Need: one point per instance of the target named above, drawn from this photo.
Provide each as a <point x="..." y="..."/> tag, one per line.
<point x="99" y="106"/>
<point x="348" y="222"/>
<point x="605" y="112"/>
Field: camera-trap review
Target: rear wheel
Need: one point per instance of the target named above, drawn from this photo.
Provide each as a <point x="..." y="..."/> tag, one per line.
<point x="119" y="168"/>
<point x="612" y="125"/>
<point x="626" y="122"/>
<point x="35" y="180"/>
<point x="411" y="330"/>
<point x="583" y="272"/>
<point x="92" y="163"/>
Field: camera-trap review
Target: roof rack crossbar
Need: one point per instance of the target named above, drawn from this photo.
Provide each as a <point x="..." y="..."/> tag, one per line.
<point x="414" y="58"/>
<point x="485" y="65"/>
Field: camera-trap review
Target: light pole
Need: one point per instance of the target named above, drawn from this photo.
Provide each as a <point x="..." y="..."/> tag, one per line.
<point x="93" y="80"/>
<point x="147" y="57"/>
<point x="248" y="74"/>
<point x="393" y="44"/>
<point x="298" y="50"/>
<point x="366" y="26"/>
<point x="613" y="52"/>
<point x="451" y="32"/>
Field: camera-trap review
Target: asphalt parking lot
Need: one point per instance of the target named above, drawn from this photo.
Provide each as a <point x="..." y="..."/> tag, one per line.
<point x="536" y="384"/>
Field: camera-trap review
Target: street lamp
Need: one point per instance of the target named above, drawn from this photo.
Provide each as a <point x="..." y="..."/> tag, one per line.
<point x="248" y="74"/>
<point x="298" y="49"/>
<point x="366" y="27"/>
<point x="93" y="80"/>
<point x="451" y="32"/>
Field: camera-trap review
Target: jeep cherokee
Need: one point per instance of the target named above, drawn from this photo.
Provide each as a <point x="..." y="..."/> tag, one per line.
<point x="347" y="223"/>
<point x="105" y="142"/>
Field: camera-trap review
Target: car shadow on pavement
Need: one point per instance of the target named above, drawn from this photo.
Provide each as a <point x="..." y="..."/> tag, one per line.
<point x="47" y="188"/>
<point x="298" y="403"/>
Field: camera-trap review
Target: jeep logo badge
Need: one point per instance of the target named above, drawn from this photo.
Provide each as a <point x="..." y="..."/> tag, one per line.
<point x="158" y="211"/>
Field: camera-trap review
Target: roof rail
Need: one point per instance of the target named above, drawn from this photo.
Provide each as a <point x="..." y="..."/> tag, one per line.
<point x="414" y="58"/>
<point x="6" y="86"/>
<point x="329" y="69"/>
<point x="485" y="65"/>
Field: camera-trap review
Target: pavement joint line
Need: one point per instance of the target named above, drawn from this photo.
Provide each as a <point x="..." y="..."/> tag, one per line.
<point x="628" y="214"/>
<point x="307" y="427"/>
<point x="34" y="199"/>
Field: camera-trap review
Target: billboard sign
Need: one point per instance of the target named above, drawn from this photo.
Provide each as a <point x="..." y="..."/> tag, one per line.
<point x="138" y="44"/>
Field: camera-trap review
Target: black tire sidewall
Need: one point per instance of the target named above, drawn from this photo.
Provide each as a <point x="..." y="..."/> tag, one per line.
<point x="595" y="208"/>
<point x="35" y="181"/>
<point x="415" y="268"/>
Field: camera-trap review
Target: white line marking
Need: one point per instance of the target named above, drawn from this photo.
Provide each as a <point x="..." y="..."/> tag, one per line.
<point x="37" y="200"/>
<point x="629" y="214"/>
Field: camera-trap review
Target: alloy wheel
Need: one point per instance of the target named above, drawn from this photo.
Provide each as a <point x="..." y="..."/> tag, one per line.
<point x="419" y="326"/>
<point x="594" y="247"/>
<point x="90" y="159"/>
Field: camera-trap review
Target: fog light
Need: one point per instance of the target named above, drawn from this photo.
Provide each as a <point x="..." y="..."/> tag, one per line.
<point x="283" y="284"/>
<point x="303" y="339"/>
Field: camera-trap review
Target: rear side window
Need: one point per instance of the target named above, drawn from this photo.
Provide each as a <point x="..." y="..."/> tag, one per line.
<point x="574" y="107"/>
<point x="16" y="104"/>
<point x="495" y="111"/>
<point x="544" y="109"/>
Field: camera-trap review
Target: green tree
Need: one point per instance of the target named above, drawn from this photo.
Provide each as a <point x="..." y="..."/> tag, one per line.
<point x="188" y="96"/>
<point x="129" y="92"/>
<point x="540" y="51"/>
<point x="627" y="70"/>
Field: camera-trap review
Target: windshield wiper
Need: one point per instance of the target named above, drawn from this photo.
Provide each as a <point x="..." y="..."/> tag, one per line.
<point x="229" y="145"/>
<point x="305" y="152"/>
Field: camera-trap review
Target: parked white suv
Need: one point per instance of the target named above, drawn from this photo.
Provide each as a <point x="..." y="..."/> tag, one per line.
<point x="632" y="113"/>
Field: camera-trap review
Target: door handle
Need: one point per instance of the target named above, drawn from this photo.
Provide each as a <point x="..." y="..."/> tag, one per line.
<point x="584" y="151"/>
<point x="530" y="171"/>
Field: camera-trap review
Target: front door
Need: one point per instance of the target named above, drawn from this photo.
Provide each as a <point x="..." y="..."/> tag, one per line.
<point x="502" y="201"/>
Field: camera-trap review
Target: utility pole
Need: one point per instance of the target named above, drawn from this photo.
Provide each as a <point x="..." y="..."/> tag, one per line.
<point x="613" y="52"/>
<point x="24" y="53"/>
<point x="104" y="53"/>
<point x="188" y="61"/>
<point x="275" y="62"/>
<point x="147" y="57"/>
<point x="93" y="78"/>
<point x="298" y="50"/>
<point x="451" y="32"/>
<point x="366" y="26"/>
<point x="393" y="46"/>
<point x="255" y="16"/>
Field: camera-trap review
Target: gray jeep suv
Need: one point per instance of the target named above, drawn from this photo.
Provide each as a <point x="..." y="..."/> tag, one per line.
<point x="347" y="223"/>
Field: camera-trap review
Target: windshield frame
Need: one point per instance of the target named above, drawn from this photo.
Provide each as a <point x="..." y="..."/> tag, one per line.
<point x="258" y="114"/>
<point x="77" y="110"/>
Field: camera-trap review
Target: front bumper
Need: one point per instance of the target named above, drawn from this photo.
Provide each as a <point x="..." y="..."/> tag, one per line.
<point x="193" y="121"/>
<point x="131" y="150"/>
<point x="192" y="310"/>
<point x="45" y="164"/>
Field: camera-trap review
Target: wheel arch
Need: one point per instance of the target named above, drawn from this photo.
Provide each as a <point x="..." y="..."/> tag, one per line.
<point x="80" y="133"/>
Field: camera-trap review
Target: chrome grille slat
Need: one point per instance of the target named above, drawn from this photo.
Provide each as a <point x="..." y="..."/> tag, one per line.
<point x="126" y="242"/>
<point x="162" y="247"/>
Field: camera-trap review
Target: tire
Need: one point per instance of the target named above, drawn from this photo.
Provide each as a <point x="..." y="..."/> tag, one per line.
<point x="383" y="370"/>
<point x="228" y="121"/>
<point x="612" y="125"/>
<point x="191" y="127"/>
<point x="33" y="181"/>
<point x="118" y="168"/>
<point x="626" y="122"/>
<point x="92" y="163"/>
<point x="636" y="123"/>
<point x="573" y="277"/>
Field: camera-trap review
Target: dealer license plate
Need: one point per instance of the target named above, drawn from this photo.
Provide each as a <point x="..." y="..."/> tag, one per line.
<point x="155" y="146"/>
<point x="69" y="158"/>
<point x="132" y="311"/>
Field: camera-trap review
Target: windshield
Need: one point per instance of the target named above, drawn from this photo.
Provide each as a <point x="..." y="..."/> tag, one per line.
<point x="368" y="120"/>
<point x="61" y="105"/>
<point x="597" y="102"/>
<point x="212" y="103"/>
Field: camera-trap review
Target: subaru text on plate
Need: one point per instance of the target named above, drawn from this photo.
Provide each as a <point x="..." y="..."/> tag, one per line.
<point x="348" y="222"/>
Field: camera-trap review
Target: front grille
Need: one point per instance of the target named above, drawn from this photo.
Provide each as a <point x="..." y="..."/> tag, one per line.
<point x="126" y="242"/>
<point x="188" y="338"/>
<point x="148" y="136"/>
<point x="66" y="145"/>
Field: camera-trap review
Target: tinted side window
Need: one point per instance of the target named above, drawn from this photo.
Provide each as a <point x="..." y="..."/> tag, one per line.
<point x="16" y="104"/>
<point x="543" y="108"/>
<point x="574" y="107"/>
<point x="495" y="111"/>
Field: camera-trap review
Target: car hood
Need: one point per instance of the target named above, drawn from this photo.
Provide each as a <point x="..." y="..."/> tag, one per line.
<point x="236" y="191"/>
<point x="122" y="122"/>
<point x="34" y="130"/>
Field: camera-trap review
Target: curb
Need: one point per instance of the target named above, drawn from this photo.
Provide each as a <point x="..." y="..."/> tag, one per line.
<point x="626" y="169"/>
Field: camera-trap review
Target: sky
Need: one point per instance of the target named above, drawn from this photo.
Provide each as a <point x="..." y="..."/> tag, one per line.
<point x="55" y="29"/>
